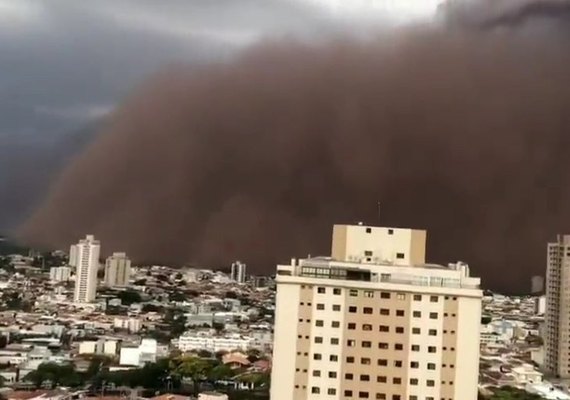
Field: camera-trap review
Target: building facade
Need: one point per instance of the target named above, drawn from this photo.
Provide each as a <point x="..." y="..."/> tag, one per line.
<point x="557" y="316"/>
<point x="376" y="322"/>
<point x="117" y="270"/>
<point x="237" y="273"/>
<point x="87" y="263"/>
<point x="59" y="274"/>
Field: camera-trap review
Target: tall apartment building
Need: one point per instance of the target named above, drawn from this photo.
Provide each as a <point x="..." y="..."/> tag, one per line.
<point x="237" y="273"/>
<point x="117" y="270"/>
<point x="374" y="321"/>
<point x="557" y="335"/>
<point x="73" y="255"/>
<point x="59" y="274"/>
<point x="87" y="263"/>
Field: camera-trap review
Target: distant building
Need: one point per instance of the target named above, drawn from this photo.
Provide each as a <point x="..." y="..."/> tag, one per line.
<point x="73" y="255"/>
<point x="59" y="274"/>
<point x="139" y="355"/>
<point x="117" y="270"/>
<point x="104" y="347"/>
<point x="374" y="321"/>
<point x="557" y="317"/>
<point x="537" y="284"/>
<point x="540" y="305"/>
<point x="238" y="272"/>
<point x="87" y="259"/>
<point x="133" y="325"/>
<point x="205" y="341"/>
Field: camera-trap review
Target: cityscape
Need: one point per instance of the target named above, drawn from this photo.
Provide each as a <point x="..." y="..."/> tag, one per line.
<point x="284" y="200"/>
<point x="372" y="320"/>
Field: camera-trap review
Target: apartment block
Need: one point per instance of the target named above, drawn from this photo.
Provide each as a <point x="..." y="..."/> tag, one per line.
<point x="117" y="270"/>
<point x="557" y="335"/>
<point x="374" y="321"/>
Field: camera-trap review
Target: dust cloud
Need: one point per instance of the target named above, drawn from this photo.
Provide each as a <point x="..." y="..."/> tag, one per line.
<point x="463" y="132"/>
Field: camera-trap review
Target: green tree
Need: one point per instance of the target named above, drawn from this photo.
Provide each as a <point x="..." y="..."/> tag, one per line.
<point x="511" y="393"/>
<point x="193" y="368"/>
<point x="129" y="297"/>
<point x="220" y="372"/>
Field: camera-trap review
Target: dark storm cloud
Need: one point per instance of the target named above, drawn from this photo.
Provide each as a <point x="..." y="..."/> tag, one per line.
<point x="65" y="63"/>
<point x="462" y="132"/>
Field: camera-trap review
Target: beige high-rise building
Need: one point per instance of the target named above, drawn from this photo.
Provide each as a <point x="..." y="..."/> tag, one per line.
<point x="557" y="335"/>
<point x="374" y="321"/>
<point x="117" y="270"/>
<point x="87" y="263"/>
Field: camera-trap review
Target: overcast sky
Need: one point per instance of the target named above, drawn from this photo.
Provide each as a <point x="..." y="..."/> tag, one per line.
<point x="66" y="61"/>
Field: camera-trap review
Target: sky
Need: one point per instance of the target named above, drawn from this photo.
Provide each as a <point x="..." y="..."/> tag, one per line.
<point x="65" y="62"/>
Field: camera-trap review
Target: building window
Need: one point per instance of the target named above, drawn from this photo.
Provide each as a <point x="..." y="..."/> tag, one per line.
<point x="399" y="346"/>
<point x="381" y="379"/>
<point x="417" y="297"/>
<point x="334" y="340"/>
<point x="430" y="383"/>
<point x="362" y="395"/>
<point x="368" y="230"/>
<point x="397" y="363"/>
<point x="368" y="253"/>
<point x="384" y="295"/>
<point x="351" y="326"/>
<point x="433" y="315"/>
<point x="399" y="313"/>
<point x="400" y="255"/>
<point x="383" y="346"/>
<point x="384" y="328"/>
<point x="434" y="299"/>
<point x="384" y="311"/>
<point x="316" y="373"/>
<point x="431" y="366"/>
<point x="415" y="347"/>
<point x="319" y="322"/>
<point x="336" y="307"/>
<point x="396" y="397"/>
<point x="368" y="293"/>
<point x="397" y="381"/>
<point x="431" y="349"/>
<point x="365" y="378"/>
<point x="331" y="391"/>
<point x="367" y="310"/>
<point x="432" y="332"/>
<point x="366" y="327"/>
<point x="382" y="362"/>
<point x="317" y="356"/>
<point x="413" y="382"/>
<point x="353" y="293"/>
<point x="350" y="360"/>
<point x="399" y="329"/>
<point x="417" y="314"/>
<point x="321" y="289"/>
<point x="336" y="291"/>
<point x="414" y="364"/>
<point x="351" y="343"/>
<point x="365" y="361"/>
<point x="332" y="374"/>
<point x="318" y="339"/>
<point x="380" y="396"/>
<point x="315" y="390"/>
<point x="335" y="324"/>
<point x="401" y="296"/>
<point x="416" y="331"/>
<point x="352" y="309"/>
<point x="333" y="358"/>
<point x="348" y="393"/>
<point x="320" y="306"/>
<point x="348" y="377"/>
<point x="366" y="344"/>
